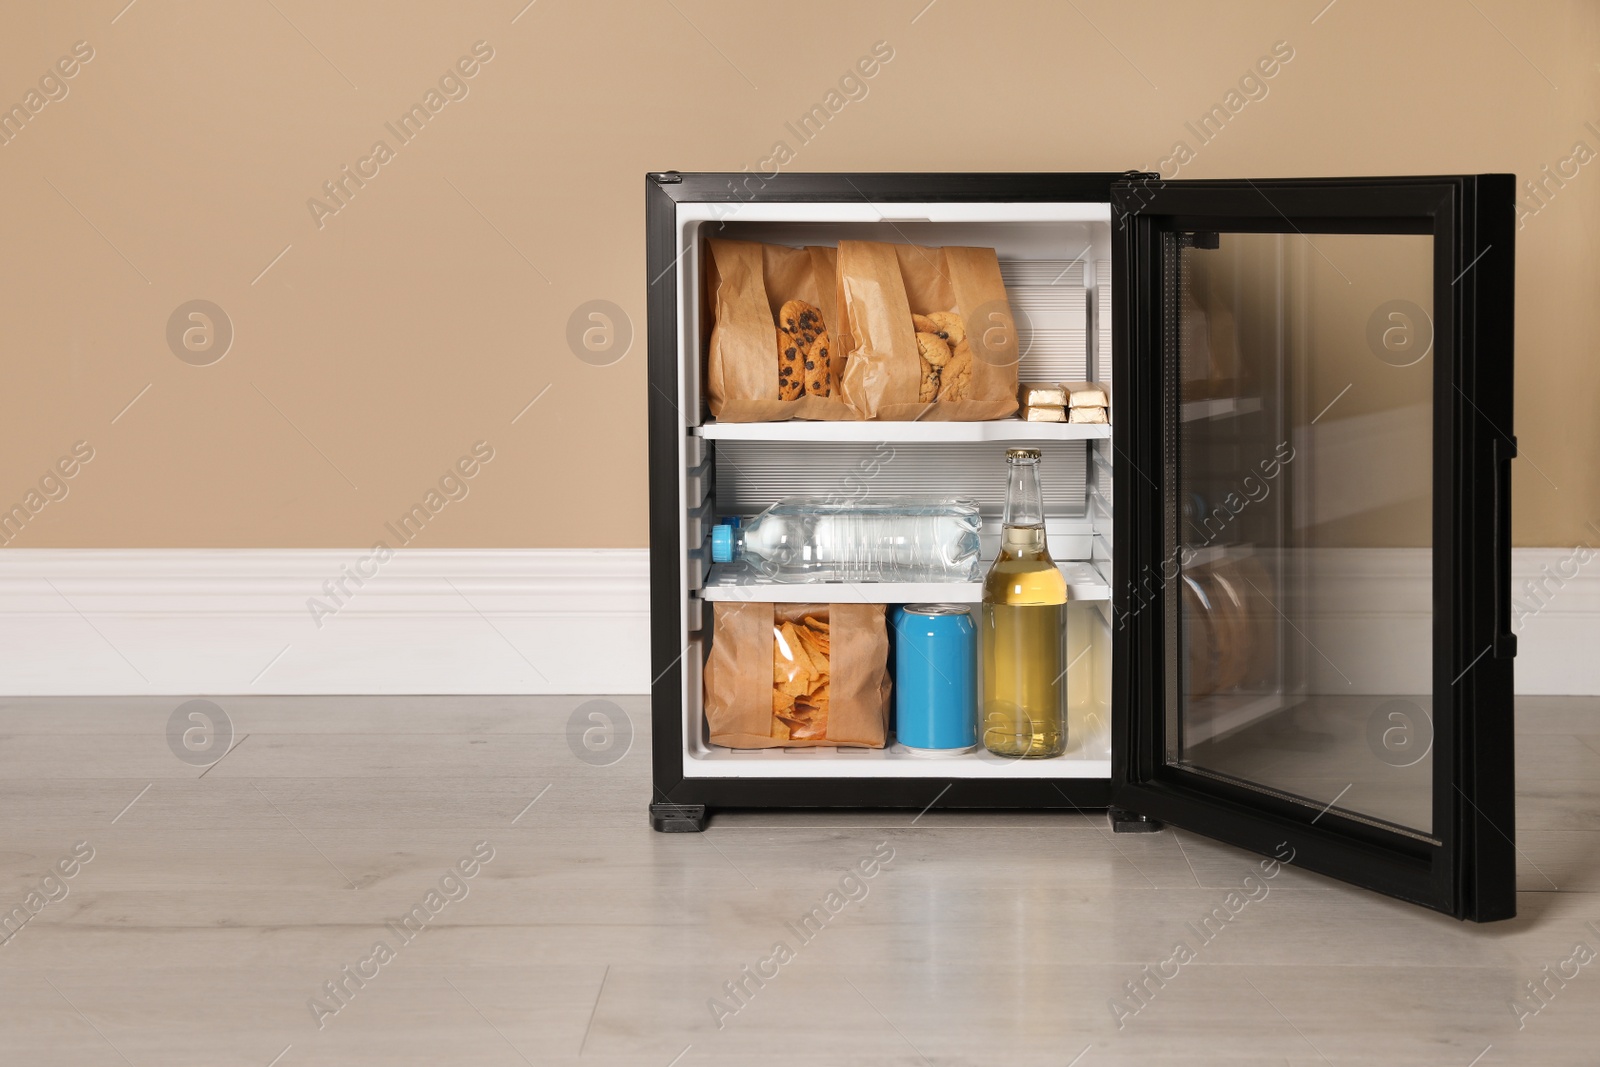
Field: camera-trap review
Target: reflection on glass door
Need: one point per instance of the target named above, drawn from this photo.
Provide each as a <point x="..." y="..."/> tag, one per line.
<point x="1299" y="517"/>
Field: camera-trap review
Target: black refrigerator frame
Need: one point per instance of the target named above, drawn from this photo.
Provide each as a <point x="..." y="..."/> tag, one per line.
<point x="1473" y="217"/>
<point x="663" y="191"/>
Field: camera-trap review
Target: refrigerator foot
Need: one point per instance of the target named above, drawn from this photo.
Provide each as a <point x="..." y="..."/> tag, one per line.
<point x="677" y="818"/>
<point x="1126" y="822"/>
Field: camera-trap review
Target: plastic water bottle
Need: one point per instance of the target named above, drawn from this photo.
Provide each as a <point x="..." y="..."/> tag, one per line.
<point x="900" y="540"/>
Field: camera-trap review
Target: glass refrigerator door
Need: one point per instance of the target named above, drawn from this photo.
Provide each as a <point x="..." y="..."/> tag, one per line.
<point x="1314" y="423"/>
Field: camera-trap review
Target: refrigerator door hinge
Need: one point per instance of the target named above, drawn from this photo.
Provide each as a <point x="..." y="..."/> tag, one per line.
<point x="666" y="177"/>
<point x="1206" y="240"/>
<point x="1140" y="176"/>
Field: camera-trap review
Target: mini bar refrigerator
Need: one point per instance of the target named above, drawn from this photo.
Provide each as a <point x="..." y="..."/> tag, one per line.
<point x="1288" y="554"/>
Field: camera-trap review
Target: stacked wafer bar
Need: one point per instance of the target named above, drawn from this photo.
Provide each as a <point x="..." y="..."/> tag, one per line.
<point x="1080" y="402"/>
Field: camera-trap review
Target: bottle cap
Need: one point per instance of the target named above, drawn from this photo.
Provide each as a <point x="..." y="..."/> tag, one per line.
<point x="722" y="544"/>
<point x="1023" y="453"/>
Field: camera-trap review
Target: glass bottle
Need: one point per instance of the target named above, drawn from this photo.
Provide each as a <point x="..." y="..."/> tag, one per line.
<point x="1024" y="627"/>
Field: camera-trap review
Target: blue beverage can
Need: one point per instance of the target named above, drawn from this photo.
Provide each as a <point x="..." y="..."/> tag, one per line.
<point x="935" y="684"/>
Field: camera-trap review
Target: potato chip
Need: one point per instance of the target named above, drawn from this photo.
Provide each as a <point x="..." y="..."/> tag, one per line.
<point x="818" y="631"/>
<point x="782" y="659"/>
<point x="816" y="649"/>
<point x="795" y="687"/>
<point x="795" y="650"/>
<point x="799" y="718"/>
<point x="815" y="623"/>
<point x="808" y="724"/>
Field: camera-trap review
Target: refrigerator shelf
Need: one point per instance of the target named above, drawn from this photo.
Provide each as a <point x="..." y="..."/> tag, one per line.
<point x="897" y="432"/>
<point x="1090" y="759"/>
<point x="1218" y="408"/>
<point x="1220" y="714"/>
<point x="1200" y="556"/>
<point x="1084" y="582"/>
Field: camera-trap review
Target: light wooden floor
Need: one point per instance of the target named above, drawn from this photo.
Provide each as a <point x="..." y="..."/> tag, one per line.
<point x="216" y="906"/>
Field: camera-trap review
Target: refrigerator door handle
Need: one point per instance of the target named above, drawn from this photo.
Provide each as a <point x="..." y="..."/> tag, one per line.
<point x="1505" y="640"/>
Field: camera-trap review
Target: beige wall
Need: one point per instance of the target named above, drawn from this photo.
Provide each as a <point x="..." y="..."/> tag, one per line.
<point x="427" y="312"/>
<point x="1360" y="429"/>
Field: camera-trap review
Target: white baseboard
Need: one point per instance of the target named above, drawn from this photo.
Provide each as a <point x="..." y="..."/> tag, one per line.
<point x="1375" y="613"/>
<point x="1557" y="620"/>
<point x="231" y="621"/>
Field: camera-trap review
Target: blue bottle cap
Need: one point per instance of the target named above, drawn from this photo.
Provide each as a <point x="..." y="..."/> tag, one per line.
<point x="721" y="544"/>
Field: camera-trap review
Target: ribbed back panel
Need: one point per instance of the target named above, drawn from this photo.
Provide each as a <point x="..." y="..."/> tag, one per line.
<point x="754" y="474"/>
<point x="1051" y="307"/>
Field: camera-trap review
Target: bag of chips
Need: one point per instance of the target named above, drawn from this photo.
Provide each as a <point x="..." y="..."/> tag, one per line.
<point x="797" y="675"/>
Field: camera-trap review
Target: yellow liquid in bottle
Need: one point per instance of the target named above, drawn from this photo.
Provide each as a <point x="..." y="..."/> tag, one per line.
<point x="1024" y="649"/>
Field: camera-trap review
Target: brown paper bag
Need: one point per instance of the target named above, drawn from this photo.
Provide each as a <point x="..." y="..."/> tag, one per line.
<point x="881" y="286"/>
<point x="747" y="283"/>
<point x="768" y="670"/>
